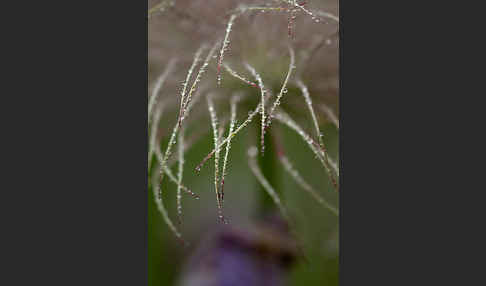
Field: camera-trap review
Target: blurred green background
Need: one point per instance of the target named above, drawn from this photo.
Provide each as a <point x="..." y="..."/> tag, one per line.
<point x="317" y="228"/>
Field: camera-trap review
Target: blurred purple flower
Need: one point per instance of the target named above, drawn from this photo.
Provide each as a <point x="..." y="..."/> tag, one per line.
<point x="258" y="256"/>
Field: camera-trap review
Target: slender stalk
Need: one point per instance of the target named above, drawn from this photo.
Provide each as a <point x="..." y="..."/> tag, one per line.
<point x="291" y="18"/>
<point x="330" y="114"/>
<point x="196" y="60"/>
<point x="161" y="208"/>
<point x="185" y="100"/>
<point x="224" y="46"/>
<point x="153" y="134"/>
<point x="294" y="173"/>
<point x="252" y="152"/>
<point x="214" y="124"/>
<point x="181" y="110"/>
<point x="283" y="90"/>
<point x="234" y="101"/>
<point x="321" y="154"/>
<point x="168" y="172"/>
<point x="230" y="136"/>
<point x="262" y="101"/>
<point x="236" y="75"/>
<point x="180" y="172"/>
<point x="320" y="13"/>
<point x="263" y="8"/>
<point x="328" y="15"/>
<point x="308" y="100"/>
<point x="201" y="71"/>
<point x="304" y="185"/>
<point x="158" y="85"/>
